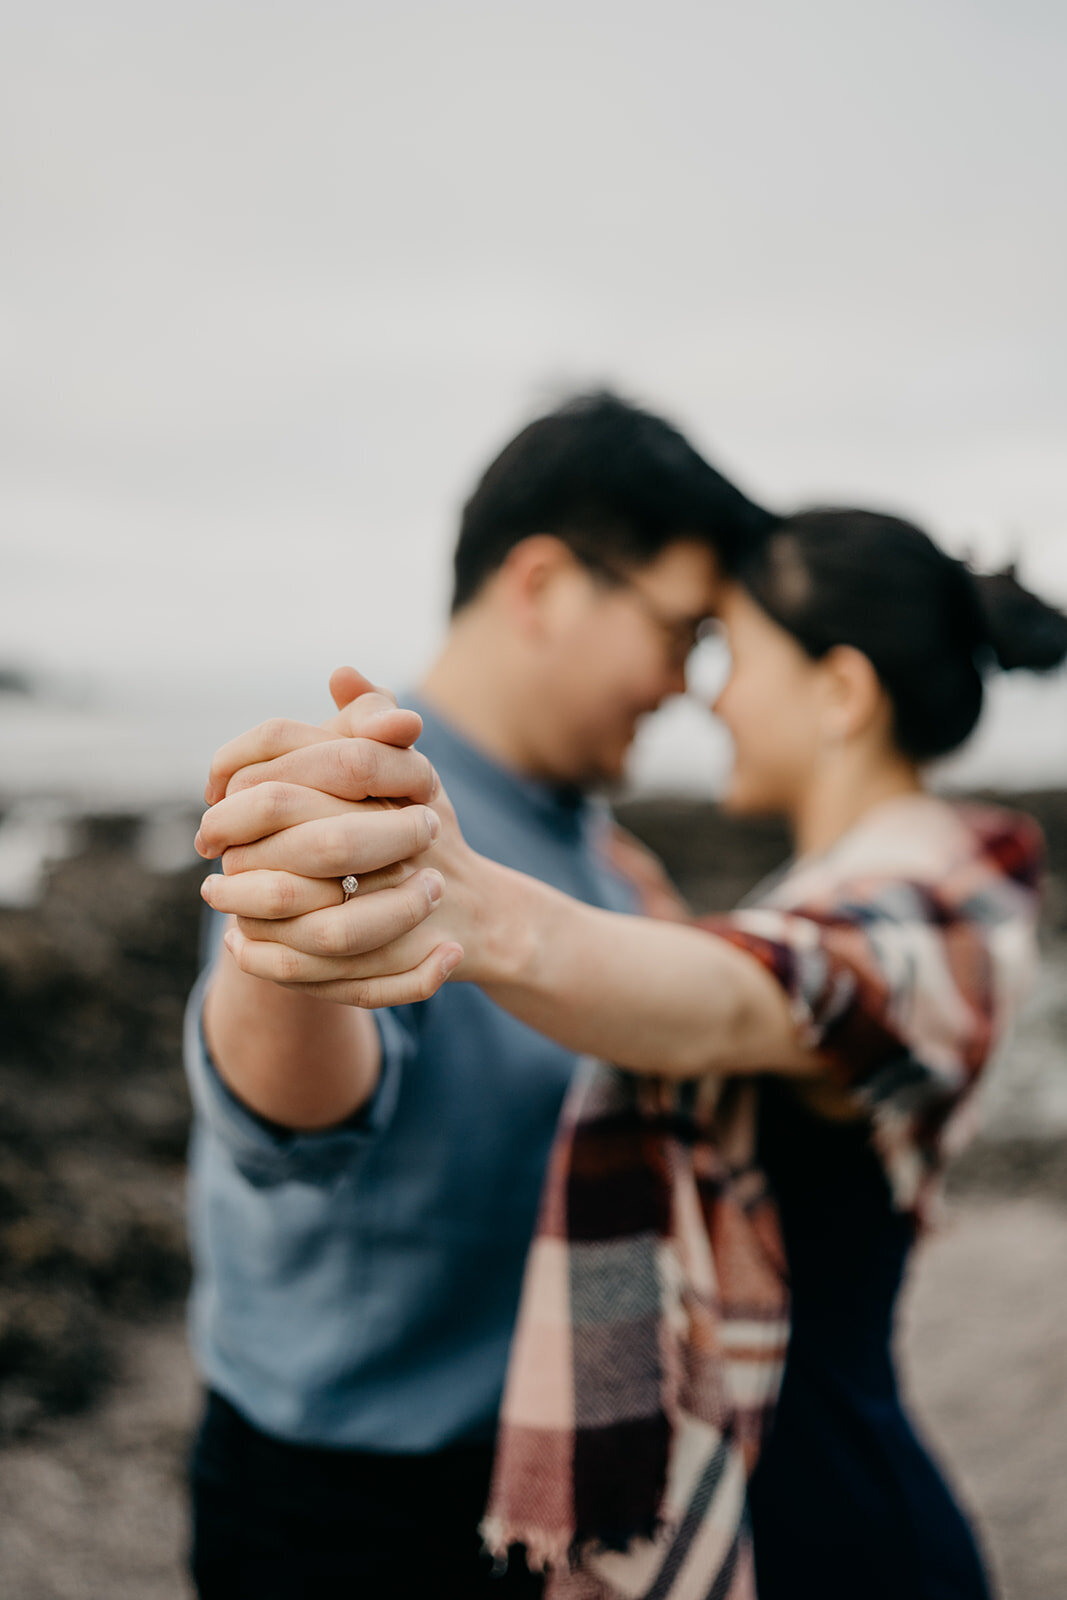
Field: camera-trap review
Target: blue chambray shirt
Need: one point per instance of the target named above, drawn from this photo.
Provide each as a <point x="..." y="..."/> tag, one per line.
<point x="357" y="1287"/>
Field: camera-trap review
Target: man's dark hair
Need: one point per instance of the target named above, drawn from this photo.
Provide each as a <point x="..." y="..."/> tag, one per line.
<point x="613" y="482"/>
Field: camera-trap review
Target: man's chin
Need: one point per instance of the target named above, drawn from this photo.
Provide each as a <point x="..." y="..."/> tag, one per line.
<point x="596" y="770"/>
<point x="608" y="772"/>
<point x="603" y="766"/>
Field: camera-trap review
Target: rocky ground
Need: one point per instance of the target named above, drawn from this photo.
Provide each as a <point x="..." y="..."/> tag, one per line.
<point x="93" y="1119"/>
<point x="96" y="1394"/>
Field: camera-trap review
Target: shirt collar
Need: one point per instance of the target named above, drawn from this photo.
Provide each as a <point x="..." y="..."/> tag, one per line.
<point x="565" y="807"/>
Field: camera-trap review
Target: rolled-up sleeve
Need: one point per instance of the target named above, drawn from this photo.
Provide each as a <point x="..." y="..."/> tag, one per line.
<point x="266" y="1153"/>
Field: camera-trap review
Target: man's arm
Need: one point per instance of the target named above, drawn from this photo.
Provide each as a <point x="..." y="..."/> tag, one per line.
<point x="300" y="1062"/>
<point x="303" y="1062"/>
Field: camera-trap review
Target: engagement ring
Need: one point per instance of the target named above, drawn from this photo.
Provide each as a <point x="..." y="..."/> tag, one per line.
<point x="349" y="885"/>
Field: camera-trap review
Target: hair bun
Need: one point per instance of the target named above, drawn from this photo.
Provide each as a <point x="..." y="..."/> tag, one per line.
<point x="1020" y="630"/>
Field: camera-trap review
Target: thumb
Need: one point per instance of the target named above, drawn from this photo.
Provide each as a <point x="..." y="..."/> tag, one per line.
<point x="369" y="712"/>
<point x="346" y="684"/>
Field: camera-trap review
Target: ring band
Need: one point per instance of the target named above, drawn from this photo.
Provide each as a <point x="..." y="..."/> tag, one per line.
<point x="349" y="885"/>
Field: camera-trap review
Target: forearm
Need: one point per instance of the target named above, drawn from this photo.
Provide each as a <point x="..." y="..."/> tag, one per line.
<point x="299" y="1061"/>
<point x="650" y="996"/>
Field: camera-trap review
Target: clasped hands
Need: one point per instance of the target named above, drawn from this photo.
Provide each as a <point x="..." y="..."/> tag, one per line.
<point x="293" y="809"/>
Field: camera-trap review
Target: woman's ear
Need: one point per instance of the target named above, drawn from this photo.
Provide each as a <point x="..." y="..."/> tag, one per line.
<point x="854" y="699"/>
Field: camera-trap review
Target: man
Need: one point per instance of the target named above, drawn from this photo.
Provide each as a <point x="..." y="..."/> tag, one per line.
<point x="364" y="1185"/>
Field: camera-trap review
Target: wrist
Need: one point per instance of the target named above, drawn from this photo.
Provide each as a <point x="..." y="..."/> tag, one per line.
<point x="497" y="931"/>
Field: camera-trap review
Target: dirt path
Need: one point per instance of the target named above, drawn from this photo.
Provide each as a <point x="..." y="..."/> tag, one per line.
<point x="93" y="1510"/>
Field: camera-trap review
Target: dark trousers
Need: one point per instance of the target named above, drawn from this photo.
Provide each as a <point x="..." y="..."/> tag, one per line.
<point x="276" y="1521"/>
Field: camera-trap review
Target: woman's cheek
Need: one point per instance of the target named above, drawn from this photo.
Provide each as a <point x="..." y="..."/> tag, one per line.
<point x="747" y="781"/>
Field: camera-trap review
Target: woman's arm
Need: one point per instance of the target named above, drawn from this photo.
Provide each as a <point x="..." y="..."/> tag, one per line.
<point x="650" y="996"/>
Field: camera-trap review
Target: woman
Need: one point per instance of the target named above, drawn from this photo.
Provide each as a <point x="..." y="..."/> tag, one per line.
<point x="864" y="990"/>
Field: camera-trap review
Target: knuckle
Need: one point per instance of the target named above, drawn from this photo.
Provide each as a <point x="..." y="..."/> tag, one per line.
<point x="272" y="799"/>
<point x="319" y="854"/>
<point x="340" y="767"/>
<point x="324" y="937"/>
<point x="286" y="963"/>
<point x="283" y="895"/>
<point x="370" y="763"/>
<point x="323" y="856"/>
<point x="244" y="778"/>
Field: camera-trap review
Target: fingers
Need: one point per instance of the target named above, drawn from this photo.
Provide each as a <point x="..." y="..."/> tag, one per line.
<point x="269" y="894"/>
<point x="359" y="925"/>
<point x="331" y="847"/>
<point x="279" y="895"/>
<point x="280" y="963"/>
<point x="254" y="813"/>
<point x="262" y="743"/>
<point x="350" y="768"/>
<point x="364" y="710"/>
<point x="398" y="989"/>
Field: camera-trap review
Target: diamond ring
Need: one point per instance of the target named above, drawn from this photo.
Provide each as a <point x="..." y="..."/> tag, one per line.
<point x="349" y="885"/>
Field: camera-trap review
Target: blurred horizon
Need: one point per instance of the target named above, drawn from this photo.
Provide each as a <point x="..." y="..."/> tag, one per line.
<point x="278" y="282"/>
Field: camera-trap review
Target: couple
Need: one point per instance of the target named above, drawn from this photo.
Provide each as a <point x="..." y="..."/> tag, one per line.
<point x="366" y="1182"/>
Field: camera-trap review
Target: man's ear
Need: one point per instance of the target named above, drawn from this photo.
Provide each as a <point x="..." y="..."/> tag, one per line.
<point x="854" y="696"/>
<point x="532" y="580"/>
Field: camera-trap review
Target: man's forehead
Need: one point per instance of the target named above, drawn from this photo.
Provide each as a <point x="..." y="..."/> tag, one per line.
<point x="691" y="572"/>
<point x="689" y="554"/>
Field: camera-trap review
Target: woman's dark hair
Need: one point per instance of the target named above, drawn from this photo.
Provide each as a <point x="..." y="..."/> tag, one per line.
<point x="929" y="625"/>
<point x="611" y="480"/>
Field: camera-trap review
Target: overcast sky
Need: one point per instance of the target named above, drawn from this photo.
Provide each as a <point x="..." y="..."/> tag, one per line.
<point x="277" y="278"/>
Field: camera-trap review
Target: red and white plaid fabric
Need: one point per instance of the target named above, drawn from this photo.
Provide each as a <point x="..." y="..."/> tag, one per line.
<point x="652" y="1331"/>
